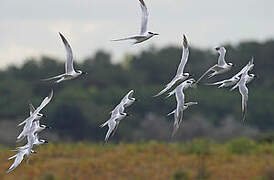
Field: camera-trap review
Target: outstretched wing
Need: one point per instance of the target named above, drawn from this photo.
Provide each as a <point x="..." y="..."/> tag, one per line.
<point x="144" y="17"/>
<point x="69" y="62"/>
<point x="45" y="102"/>
<point x="244" y="92"/>
<point x="168" y="86"/>
<point x="184" y="58"/>
<point x="221" y="59"/>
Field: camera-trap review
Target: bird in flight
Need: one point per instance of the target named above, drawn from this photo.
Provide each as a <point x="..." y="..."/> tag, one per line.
<point x="70" y="73"/>
<point x="144" y="33"/>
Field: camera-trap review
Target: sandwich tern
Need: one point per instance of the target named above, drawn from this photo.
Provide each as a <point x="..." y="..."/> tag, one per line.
<point x="180" y="75"/>
<point x="233" y="80"/>
<point x="34" y="116"/>
<point x="144" y="33"/>
<point x="70" y="73"/>
<point x="19" y="158"/>
<point x="219" y="68"/>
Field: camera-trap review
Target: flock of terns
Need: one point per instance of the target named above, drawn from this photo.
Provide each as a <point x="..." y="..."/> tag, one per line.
<point x="180" y="81"/>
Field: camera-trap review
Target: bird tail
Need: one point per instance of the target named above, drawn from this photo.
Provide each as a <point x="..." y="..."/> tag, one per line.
<point x="52" y="78"/>
<point x="122" y="39"/>
<point x="12" y="157"/>
<point x="171" y="113"/>
<point x="170" y="94"/>
<point x="103" y="125"/>
<point x="234" y="87"/>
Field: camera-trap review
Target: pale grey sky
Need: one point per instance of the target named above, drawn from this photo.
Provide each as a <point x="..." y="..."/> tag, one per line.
<point x="29" y="28"/>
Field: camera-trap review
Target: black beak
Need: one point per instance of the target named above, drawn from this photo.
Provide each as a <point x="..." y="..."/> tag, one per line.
<point x="48" y="127"/>
<point x="128" y="115"/>
<point x="44" y="116"/>
<point x="46" y="142"/>
<point x="136" y="99"/>
<point x="217" y="48"/>
<point x="156" y="34"/>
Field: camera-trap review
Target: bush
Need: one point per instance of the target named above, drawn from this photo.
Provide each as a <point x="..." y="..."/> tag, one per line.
<point x="180" y="175"/>
<point x="198" y="146"/>
<point x="241" y="146"/>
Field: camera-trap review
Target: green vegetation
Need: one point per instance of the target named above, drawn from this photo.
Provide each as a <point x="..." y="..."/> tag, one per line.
<point x="80" y="106"/>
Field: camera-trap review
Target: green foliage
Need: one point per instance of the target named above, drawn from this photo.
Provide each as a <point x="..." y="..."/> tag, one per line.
<point x="198" y="146"/>
<point x="180" y="175"/>
<point x="49" y="176"/>
<point x="241" y="146"/>
<point x="80" y="106"/>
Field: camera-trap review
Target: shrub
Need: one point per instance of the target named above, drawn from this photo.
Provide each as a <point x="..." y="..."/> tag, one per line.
<point x="198" y="146"/>
<point x="180" y="175"/>
<point x="241" y="146"/>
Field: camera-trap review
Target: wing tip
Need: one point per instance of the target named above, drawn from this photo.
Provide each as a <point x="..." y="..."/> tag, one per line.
<point x="185" y="42"/>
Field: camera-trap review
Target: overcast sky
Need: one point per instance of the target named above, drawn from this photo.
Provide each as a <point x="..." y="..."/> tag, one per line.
<point x="29" y="28"/>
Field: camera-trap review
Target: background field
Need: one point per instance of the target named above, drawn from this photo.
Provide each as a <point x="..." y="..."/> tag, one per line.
<point x="239" y="159"/>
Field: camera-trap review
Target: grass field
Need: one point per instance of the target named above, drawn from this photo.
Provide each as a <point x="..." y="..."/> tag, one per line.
<point x="239" y="159"/>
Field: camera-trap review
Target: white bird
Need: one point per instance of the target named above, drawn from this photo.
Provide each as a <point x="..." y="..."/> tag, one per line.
<point x="233" y="80"/>
<point x="33" y="140"/>
<point x="34" y="116"/>
<point x="244" y="93"/>
<point x="219" y="68"/>
<point x="180" y="75"/>
<point x="186" y="84"/>
<point x="144" y="33"/>
<point x="113" y="123"/>
<point x="70" y="73"/>
<point x="180" y="98"/>
<point x="249" y="77"/>
<point x="185" y="107"/>
<point x="119" y="109"/>
<point x="128" y="99"/>
<point x="19" y="158"/>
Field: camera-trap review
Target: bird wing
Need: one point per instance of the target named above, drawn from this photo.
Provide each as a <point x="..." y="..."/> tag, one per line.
<point x="221" y="59"/>
<point x="69" y="62"/>
<point x="191" y="103"/>
<point x="210" y="69"/>
<point x="111" y="127"/>
<point x="45" y="102"/>
<point x="184" y="58"/>
<point x="168" y="86"/>
<point x="247" y="67"/>
<point x="27" y="127"/>
<point x="31" y="109"/>
<point x="144" y="17"/>
<point x="244" y="92"/>
<point x="127" y="96"/>
<point x="19" y="158"/>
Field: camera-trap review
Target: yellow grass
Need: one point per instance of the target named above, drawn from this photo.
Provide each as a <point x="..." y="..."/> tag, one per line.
<point x="140" y="161"/>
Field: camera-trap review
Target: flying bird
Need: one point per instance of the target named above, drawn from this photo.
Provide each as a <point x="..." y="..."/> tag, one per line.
<point x="180" y="75"/>
<point x="113" y="123"/>
<point x="70" y="73"/>
<point x="19" y="158"/>
<point x="233" y="80"/>
<point x="243" y="91"/>
<point x="36" y="115"/>
<point x="185" y="107"/>
<point x="180" y="98"/>
<point x="128" y="99"/>
<point x="144" y="33"/>
<point x="219" y="68"/>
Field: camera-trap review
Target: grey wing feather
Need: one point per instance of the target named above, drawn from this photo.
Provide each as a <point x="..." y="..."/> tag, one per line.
<point x="69" y="62"/>
<point x="45" y="101"/>
<point x="184" y="58"/>
<point x="144" y="17"/>
<point x="244" y="92"/>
